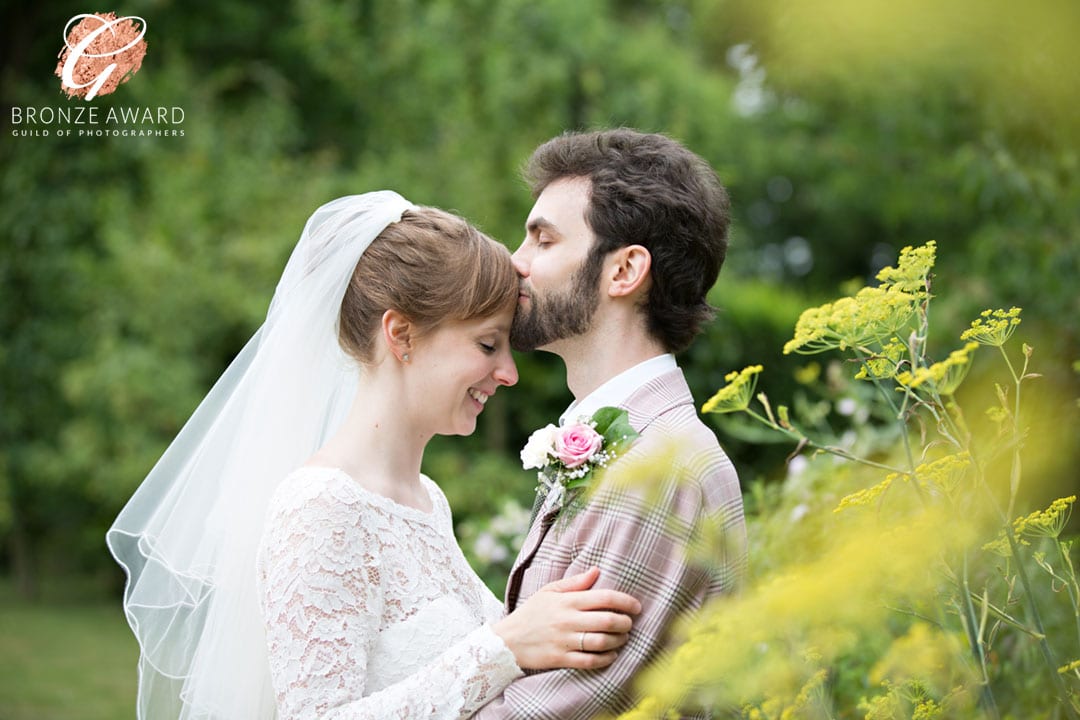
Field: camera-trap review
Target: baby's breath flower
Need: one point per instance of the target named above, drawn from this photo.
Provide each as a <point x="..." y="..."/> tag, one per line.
<point x="865" y="496"/>
<point x="993" y="327"/>
<point x="735" y="396"/>
<point x="1046" y="523"/>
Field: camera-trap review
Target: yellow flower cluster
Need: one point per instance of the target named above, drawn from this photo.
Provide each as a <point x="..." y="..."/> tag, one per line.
<point x="866" y="496"/>
<point x="912" y="270"/>
<point x="926" y="710"/>
<point x="945" y="376"/>
<point x="993" y="327"/>
<point x="825" y="603"/>
<point x="884" y="363"/>
<point x="1046" y="523"/>
<point x="1041" y="523"/>
<point x="872" y="313"/>
<point x="775" y="707"/>
<point x="944" y="473"/>
<point x="735" y="396"/>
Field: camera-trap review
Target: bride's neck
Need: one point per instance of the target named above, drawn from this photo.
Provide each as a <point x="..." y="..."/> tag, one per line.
<point x="379" y="446"/>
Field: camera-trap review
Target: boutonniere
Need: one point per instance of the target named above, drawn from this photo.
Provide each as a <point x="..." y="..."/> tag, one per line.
<point x="566" y="458"/>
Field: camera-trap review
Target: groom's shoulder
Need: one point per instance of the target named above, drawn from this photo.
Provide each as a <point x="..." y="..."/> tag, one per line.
<point x="676" y="432"/>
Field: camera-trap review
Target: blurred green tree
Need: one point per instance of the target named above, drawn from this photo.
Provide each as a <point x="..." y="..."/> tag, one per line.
<point x="132" y="269"/>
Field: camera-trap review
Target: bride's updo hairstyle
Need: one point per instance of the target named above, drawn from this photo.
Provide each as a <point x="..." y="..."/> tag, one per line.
<point x="432" y="267"/>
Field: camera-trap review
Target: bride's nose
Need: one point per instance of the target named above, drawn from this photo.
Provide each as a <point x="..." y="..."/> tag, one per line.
<point x="505" y="372"/>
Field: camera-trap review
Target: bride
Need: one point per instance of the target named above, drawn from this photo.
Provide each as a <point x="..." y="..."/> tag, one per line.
<point x="286" y="557"/>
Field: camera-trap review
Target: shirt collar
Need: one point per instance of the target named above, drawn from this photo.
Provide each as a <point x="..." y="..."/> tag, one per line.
<point x="616" y="390"/>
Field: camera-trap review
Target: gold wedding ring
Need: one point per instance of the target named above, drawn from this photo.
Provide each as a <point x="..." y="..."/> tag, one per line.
<point x="581" y="641"/>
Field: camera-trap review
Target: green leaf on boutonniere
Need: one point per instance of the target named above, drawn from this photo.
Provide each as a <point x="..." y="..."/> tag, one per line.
<point x="614" y="425"/>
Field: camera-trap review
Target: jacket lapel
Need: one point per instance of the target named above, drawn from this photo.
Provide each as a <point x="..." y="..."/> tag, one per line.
<point x="544" y="518"/>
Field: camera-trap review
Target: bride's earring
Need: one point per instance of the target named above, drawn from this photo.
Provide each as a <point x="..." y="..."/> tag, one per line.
<point x="405" y="357"/>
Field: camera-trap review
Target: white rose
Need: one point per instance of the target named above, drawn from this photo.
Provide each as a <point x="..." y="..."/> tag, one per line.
<point x="538" y="450"/>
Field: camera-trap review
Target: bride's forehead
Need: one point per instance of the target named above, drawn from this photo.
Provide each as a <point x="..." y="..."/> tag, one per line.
<point x="495" y="324"/>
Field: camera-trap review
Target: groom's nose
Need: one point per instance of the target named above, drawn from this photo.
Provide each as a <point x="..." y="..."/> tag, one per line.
<point x="522" y="259"/>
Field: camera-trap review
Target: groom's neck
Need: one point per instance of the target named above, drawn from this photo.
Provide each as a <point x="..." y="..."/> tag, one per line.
<point x="602" y="353"/>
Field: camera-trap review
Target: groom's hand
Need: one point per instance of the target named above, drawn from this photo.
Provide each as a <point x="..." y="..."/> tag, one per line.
<point x="568" y="625"/>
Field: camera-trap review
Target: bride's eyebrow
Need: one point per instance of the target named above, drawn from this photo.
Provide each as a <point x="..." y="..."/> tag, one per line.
<point x="500" y="329"/>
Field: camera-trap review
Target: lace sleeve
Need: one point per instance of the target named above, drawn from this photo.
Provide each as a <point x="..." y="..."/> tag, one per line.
<point x="321" y="591"/>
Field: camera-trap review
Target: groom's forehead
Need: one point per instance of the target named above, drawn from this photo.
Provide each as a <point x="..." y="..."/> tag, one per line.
<point x="560" y="207"/>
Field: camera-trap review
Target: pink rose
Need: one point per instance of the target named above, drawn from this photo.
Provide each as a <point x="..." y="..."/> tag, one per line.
<point x="576" y="443"/>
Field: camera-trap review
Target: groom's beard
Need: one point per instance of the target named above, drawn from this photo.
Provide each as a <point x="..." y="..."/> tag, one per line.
<point x="558" y="315"/>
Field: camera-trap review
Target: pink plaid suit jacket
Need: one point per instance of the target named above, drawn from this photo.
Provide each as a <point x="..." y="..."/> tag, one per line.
<point x="638" y="536"/>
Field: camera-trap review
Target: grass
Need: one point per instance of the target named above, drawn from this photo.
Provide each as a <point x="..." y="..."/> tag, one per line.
<point x="65" y="661"/>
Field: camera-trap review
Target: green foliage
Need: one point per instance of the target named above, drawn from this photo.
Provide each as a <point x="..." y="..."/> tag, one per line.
<point x="133" y="269"/>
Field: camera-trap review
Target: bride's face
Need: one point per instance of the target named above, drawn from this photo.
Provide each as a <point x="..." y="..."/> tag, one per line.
<point x="457" y="367"/>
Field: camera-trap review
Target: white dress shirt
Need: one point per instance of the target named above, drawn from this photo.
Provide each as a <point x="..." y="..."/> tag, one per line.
<point x="619" y="388"/>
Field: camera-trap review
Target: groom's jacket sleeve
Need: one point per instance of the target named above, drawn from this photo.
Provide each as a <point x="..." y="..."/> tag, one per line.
<point x="641" y="529"/>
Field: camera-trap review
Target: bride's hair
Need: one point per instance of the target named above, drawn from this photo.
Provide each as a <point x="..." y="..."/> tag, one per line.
<point x="431" y="267"/>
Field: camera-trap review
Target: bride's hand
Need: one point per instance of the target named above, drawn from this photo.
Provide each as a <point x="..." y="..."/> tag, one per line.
<point x="550" y="629"/>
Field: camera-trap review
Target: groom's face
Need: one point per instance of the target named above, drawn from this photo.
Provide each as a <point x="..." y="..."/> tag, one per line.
<point x="559" y="281"/>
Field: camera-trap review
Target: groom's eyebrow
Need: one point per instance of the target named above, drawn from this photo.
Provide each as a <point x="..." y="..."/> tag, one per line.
<point x="540" y="223"/>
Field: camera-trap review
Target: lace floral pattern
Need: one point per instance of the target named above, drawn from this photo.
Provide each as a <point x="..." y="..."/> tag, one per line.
<point x="371" y="609"/>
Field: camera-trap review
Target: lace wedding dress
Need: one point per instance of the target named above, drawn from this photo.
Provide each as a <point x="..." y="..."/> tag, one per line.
<point x="371" y="609"/>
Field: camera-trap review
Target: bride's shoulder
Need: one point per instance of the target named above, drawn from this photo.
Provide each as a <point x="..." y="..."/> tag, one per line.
<point x="438" y="497"/>
<point x="311" y="485"/>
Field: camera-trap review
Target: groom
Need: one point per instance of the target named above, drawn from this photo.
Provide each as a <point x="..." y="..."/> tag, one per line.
<point x="626" y="237"/>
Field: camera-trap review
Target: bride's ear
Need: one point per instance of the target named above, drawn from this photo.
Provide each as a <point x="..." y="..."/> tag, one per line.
<point x="398" y="333"/>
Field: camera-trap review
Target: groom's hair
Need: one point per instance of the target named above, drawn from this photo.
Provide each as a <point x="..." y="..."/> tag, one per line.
<point x="650" y="190"/>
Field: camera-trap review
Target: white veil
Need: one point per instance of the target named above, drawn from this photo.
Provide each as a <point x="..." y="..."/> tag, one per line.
<point x="189" y="535"/>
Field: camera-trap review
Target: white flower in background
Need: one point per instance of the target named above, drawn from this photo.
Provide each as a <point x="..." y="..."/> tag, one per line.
<point x="512" y="520"/>
<point x="799" y="512"/>
<point x="846" y="406"/>
<point x="488" y="549"/>
<point x="797" y="466"/>
<point x="539" y="450"/>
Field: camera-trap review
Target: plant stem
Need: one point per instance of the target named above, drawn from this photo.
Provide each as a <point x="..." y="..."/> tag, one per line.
<point x="832" y="450"/>
<point x="1071" y="586"/>
<point x="1044" y="646"/>
<point x="975" y="640"/>
<point x="1015" y="470"/>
